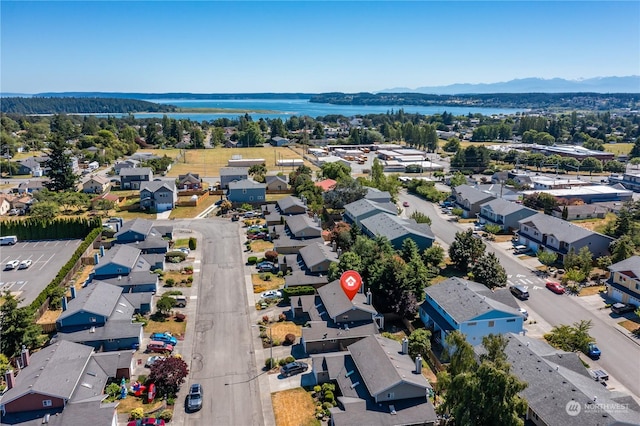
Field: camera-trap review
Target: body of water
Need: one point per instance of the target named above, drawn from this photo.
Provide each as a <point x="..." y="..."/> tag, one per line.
<point x="286" y="108"/>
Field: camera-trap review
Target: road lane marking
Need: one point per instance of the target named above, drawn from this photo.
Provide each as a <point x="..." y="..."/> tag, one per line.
<point x="47" y="261"/>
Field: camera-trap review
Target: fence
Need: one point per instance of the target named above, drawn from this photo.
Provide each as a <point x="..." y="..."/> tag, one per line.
<point x="202" y="195"/>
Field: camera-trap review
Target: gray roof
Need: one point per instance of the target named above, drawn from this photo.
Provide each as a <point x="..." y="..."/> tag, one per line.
<point x="135" y="171"/>
<point x="246" y="183"/>
<point x="152" y="242"/>
<point x="317" y="253"/>
<point x="394" y="227"/>
<point x="298" y="278"/>
<point x="465" y="300"/>
<point x="140" y="226"/>
<point x="375" y="194"/>
<point x="99" y="299"/>
<point x="504" y="207"/>
<point x="284" y="241"/>
<point x="318" y="331"/>
<point x="551" y="385"/>
<point x="364" y="206"/>
<point x="337" y="303"/>
<point x="289" y="201"/>
<point x="300" y="222"/>
<point x="471" y="194"/>
<point x="382" y="365"/>
<point x="156" y="185"/>
<point x="234" y="171"/>
<point x="133" y="279"/>
<point x="630" y="266"/>
<point x="116" y="329"/>
<point x="111" y="362"/>
<point x="138" y="299"/>
<point x="121" y="254"/>
<point x="54" y="370"/>
<point x="271" y="178"/>
<point x="77" y="413"/>
<point x="561" y="229"/>
<point x="584" y="209"/>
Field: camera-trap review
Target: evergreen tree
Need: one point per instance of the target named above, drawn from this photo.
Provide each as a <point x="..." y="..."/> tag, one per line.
<point x="61" y="176"/>
<point x="18" y="327"/>
<point x="488" y="271"/>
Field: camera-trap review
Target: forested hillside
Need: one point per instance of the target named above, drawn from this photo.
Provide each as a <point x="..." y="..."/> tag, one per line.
<point x="82" y="105"/>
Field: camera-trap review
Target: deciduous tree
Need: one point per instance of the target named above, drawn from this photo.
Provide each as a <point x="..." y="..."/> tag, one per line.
<point x="168" y="374"/>
<point x="465" y="249"/>
<point x="420" y="343"/>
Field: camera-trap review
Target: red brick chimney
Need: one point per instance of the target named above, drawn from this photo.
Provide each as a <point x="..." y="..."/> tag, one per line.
<point x="10" y="379"/>
<point x="25" y="357"/>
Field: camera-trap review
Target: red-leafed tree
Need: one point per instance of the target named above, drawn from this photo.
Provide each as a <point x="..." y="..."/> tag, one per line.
<point x="168" y="374"/>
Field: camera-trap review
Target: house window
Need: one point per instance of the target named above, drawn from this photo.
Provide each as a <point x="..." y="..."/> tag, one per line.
<point x="251" y="198"/>
<point x="390" y="395"/>
<point x="244" y="191"/>
<point x="526" y="228"/>
<point x="46" y="403"/>
<point x="511" y="320"/>
<point x="92" y="319"/>
<point x="492" y="323"/>
<point x="637" y="286"/>
<point x="471" y="324"/>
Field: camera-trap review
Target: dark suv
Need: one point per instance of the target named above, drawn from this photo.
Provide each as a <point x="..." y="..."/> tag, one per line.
<point x="194" y="399"/>
<point x="622" y="308"/>
<point x="294" y="368"/>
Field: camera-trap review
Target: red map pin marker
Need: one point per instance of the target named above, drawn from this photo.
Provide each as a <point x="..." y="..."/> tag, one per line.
<point x="350" y="282"/>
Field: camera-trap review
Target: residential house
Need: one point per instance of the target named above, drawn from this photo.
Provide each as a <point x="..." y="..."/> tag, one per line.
<point x="189" y="181"/>
<point x="291" y="205"/>
<point x="121" y="260"/>
<point x="317" y="257"/>
<point x="374" y="194"/>
<point x="286" y="243"/>
<point x="21" y="202"/>
<point x="379" y="385"/>
<point x="333" y="321"/>
<point x="30" y="166"/>
<point x="276" y="183"/>
<point x="355" y="212"/>
<point x="95" y="185"/>
<point x="140" y="229"/>
<point x="232" y="174"/>
<point x="556" y="379"/>
<point x="247" y="191"/>
<point x="32" y="186"/>
<point x="557" y="235"/>
<point x="471" y="308"/>
<point x="96" y="202"/>
<point x="133" y="178"/>
<point x="299" y="278"/>
<point x="397" y="229"/>
<point x="62" y="385"/>
<point x="503" y="213"/>
<point x="125" y="164"/>
<point x="279" y="141"/>
<point x="158" y="196"/>
<point x="624" y="283"/>
<point x="99" y="316"/>
<point x="326" y="184"/>
<point x="469" y="199"/>
<point x="581" y="211"/>
<point x="135" y="282"/>
<point x="302" y="226"/>
<point x="5" y="204"/>
<point x="629" y="180"/>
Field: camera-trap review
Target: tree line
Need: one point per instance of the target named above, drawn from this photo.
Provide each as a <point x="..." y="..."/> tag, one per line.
<point x="56" y="105"/>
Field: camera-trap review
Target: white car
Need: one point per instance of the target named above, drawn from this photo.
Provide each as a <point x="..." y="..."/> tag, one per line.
<point x="184" y="250"/>
<point x="12" y="264"/>
<point x="25" y="264"/>
<point x="271" y="294"/>
<point x="524" y="313"/>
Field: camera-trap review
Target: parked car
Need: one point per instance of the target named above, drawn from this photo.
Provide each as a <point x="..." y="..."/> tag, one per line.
<point x="12" y="264"/>
<point x="147" y="421"/>
<point x="524" y="313"/>
<point x="257" y="236"/>
<point x="194" y="398"/>
<point x="593" y="351"/>
<point x="405" y="204"/>
<point x="555" y="287"/>
<point x="294" y="368"/>
<point x="622" y="308"/>
<point x="152" y="360"/>
<point x="267" y="267"/>
<point x="271" y="294"/>
<point x="25" y="264"/>
<point x="185" y="250"/>
<point x="159" y="347"/>
<point x="164" y="337"/>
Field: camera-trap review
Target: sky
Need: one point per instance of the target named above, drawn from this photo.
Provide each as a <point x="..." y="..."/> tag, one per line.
<point x="308" y="46"/>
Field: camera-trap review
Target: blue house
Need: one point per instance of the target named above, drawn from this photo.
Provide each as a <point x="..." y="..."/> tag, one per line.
<point x="135" y="282"/>
<point x="355" y="212"/>
<point x="99" y="316"/>
<point x="119" y="261"/>
<point x="232" y="174"/>
<point x="471" y="308"/>
<point x="133" y="178"/>
<point x="247" y="191"/>
<point x="397" y="229"/>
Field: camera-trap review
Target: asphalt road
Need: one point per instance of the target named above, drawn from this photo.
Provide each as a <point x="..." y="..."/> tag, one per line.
<point x="222" y="358"/>
<point x="620" y="355"/>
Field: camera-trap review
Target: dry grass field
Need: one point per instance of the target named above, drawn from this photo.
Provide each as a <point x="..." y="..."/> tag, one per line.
<point x="293" y="407"/>
<point x="207" y="162"/>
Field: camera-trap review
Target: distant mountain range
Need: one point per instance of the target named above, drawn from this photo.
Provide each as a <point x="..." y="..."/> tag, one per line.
<point x="629" y="84"/>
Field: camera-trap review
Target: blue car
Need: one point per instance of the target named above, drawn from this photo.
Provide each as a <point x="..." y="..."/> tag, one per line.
<point x="163" y="337"/>
<point x="593" y="351"/>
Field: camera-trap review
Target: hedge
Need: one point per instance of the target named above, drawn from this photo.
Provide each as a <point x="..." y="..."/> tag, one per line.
<point x="50" y="288"/>
<point x="288" y="292"/>
<point x="49" y="229"/>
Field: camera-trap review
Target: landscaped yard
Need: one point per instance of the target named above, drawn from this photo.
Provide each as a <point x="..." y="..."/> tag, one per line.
<point x="258" y="246"/>
<point x="279" y="330"/>
<point x="294" y="407"/>
<point x="176" y="328"/>
<point x="189" y="212"/>
<point x="590" y="291"/>
<point x="631" y="324"/>
<point x="260" y="285"/>
<point x="131" y="402"/>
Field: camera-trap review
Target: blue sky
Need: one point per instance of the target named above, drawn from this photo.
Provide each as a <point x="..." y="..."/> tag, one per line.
<point x="308" y="46"/>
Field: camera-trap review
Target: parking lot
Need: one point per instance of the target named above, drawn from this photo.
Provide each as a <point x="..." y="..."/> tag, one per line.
<point x="47" y="258"/>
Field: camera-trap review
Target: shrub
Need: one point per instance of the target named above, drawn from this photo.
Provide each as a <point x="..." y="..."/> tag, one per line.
<point x="265" y="319"/>
<point x="282" y="317"/>
<point x="280" y="274"/>
<point x="271" y="255"/>
<point x="188" y="269"/>
<point x="113" y="389"/>
<point x="328" y="387"/>
<point x="327" y="405"/>
<point x="282" y="362"/>
<point x="173" y="293"/>
<point x="190" y="279"/>
<point x="252" y="260"/>
<point x="328" y="396"/>
<point x="276" y="342"/>
<point x="171" y="401"/>
<point x="192" y="243"/>
<point x="142" y="378"/>
<point x="170" y="282"/>
<point x="166" y="415"/>
<point x="289" y="339"/>
<point x="289" y="359"/>
<point x="317" y="389"/>
<point x="269" y="362"/>
<point x="136" y="413"/>
<point x="297" y="291"/>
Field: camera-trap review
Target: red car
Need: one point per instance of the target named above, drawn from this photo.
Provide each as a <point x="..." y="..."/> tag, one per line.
<point x="406" y="204"/>
<point x="555" y="287"/>
<point x="148" y="421"/>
